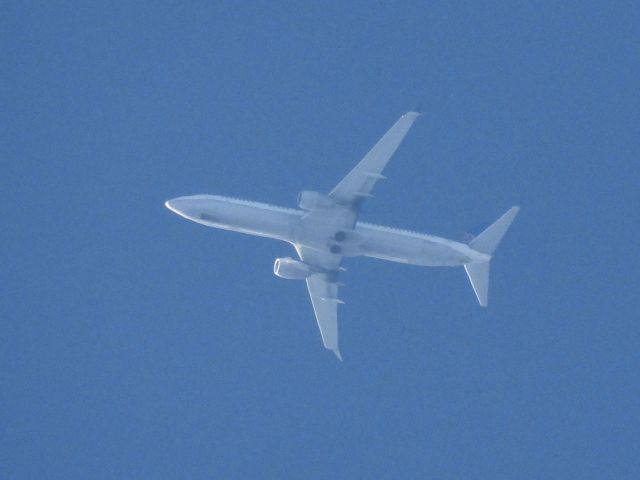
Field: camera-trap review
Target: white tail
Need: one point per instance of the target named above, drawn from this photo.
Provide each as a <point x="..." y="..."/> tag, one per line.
<point x="487" y="242"/>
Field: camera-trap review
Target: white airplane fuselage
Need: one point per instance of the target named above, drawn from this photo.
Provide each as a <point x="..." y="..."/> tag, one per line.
<point x="290" y="225"/>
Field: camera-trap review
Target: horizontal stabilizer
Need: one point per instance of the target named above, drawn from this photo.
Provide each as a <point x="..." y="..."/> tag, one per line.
<point x="486" y="242"/>
<point x="479" y="277"/>
<point x="489" y="239"/>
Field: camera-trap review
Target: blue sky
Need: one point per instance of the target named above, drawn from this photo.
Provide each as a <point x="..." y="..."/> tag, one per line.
<point x="134" y="344"/>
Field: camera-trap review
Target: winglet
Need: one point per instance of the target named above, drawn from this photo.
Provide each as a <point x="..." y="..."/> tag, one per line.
<point x="337" y="352"/>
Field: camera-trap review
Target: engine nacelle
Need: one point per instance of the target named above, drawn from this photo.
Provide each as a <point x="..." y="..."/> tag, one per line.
<point x="308" y="200"/>
<point x="291" y="269"/>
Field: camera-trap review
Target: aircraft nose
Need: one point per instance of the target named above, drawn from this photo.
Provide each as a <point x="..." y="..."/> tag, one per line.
<point x="171" y="205"/>
<point x="176" y="205"/>
<point x="192" y="207"/>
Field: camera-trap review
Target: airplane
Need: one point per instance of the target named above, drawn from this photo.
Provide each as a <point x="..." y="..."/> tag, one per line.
<point x="325" y="228"/>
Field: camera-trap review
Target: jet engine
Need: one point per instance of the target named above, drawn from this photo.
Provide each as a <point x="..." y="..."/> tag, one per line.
<point x="308" y="200"/>
<point x="291" y="269"/>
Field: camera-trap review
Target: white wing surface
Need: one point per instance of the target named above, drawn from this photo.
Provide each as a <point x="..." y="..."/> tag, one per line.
<point x="360" y="181"/>
<point x="323" y="290"/>
<point x="324" y="297"/>
<point x="357" y="185"/>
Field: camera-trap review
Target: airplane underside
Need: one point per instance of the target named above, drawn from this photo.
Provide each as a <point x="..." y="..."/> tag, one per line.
<point x="325" y="229"/>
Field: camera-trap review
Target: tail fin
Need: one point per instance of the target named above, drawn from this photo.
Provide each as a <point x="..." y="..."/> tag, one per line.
<point x="487" y="242"/>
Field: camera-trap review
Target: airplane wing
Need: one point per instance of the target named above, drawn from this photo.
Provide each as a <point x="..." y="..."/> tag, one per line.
<point x="323" y="290"/>
<point x="358" y="184"/>
<point x="324" y="297"/>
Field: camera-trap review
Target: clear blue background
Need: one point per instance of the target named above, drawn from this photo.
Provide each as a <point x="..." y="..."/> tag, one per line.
<point x="134" y="344"/>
